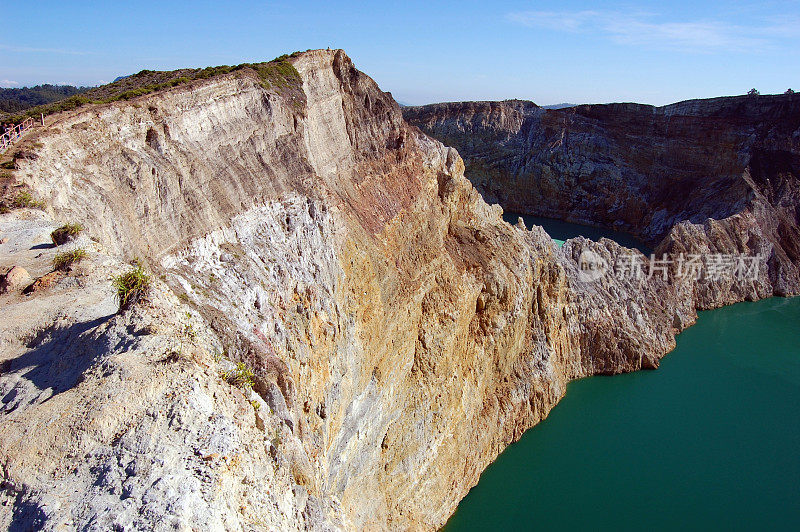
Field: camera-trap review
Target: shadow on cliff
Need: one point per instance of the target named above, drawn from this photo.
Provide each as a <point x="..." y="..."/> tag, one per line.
<point x="27" y="516"/>
<point x="43" y="246"/>
<point x="58" y="357"/>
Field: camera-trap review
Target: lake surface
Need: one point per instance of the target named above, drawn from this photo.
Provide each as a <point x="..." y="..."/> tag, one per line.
<point x="561" y="231"/>
<point x="711" y="440"/>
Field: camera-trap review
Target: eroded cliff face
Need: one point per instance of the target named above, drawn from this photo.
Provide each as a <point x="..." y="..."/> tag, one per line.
<point x="718" y="176"/>
<point x="400" y="333"/>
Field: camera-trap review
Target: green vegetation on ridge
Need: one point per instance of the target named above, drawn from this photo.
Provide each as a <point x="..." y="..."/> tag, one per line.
<point x="278" y="73"/>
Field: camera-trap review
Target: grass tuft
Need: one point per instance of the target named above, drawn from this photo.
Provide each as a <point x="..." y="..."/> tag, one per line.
<point x="25" y="200"/>
<point x="62" y="261"/>
<point x="131" y="286"/>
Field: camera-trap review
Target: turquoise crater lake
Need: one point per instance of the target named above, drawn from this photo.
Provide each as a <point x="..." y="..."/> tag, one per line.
<point x="711" y="440"/>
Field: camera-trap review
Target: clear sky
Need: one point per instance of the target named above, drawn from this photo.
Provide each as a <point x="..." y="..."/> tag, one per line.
<point x="548" y="52"/>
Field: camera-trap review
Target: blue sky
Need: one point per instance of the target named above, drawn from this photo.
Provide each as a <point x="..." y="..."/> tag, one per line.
<point x="548" y="52"/>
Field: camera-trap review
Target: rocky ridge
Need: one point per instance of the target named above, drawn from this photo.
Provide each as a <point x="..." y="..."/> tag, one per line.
<point x="400" y="334"/>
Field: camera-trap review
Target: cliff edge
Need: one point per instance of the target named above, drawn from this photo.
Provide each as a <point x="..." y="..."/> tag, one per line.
<point x="340" y="332"/>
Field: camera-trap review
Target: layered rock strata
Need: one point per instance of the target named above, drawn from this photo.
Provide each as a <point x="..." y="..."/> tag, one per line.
<point x="400" y="334"/>
<point x="704" y="176"/>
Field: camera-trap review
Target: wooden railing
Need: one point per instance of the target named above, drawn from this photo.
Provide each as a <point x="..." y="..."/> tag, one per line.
<point x="7" y="138"/>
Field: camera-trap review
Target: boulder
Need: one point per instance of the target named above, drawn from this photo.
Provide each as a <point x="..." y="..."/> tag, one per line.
<point x="15" y="279"/>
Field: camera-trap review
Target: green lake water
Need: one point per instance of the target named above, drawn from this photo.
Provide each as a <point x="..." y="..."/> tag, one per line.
<point x="560" y="231"/>
<point x="710" y="441"/>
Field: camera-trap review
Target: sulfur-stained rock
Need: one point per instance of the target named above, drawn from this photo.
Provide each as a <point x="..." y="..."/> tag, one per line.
<point x="45" y="281"/>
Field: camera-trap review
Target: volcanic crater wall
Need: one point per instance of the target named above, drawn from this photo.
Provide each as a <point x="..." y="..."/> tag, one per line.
<point x="400" y="333"/>
<point x="724" y="165"/>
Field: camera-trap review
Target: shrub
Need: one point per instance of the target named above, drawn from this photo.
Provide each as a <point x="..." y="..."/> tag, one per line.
<point x="62" y="261"/>
<point x="65" y="233"/>
<point x="72" y="102"/>
<point x="240" y="376"/>
<point x="131" y="286"/>
<point x="178" y="81"/>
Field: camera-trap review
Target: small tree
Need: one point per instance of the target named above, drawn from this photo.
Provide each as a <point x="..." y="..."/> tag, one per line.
<point x="789" y="91"/>
<point x="753" y="92"/>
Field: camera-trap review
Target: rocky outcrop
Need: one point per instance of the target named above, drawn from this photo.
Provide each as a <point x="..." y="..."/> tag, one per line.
<point x="718" y="176"/>
<point x="399" y="333"/>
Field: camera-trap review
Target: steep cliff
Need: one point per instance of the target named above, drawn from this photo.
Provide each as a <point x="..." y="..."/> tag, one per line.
<point x="702" y="168"/>
<point x="399" y="332"/>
